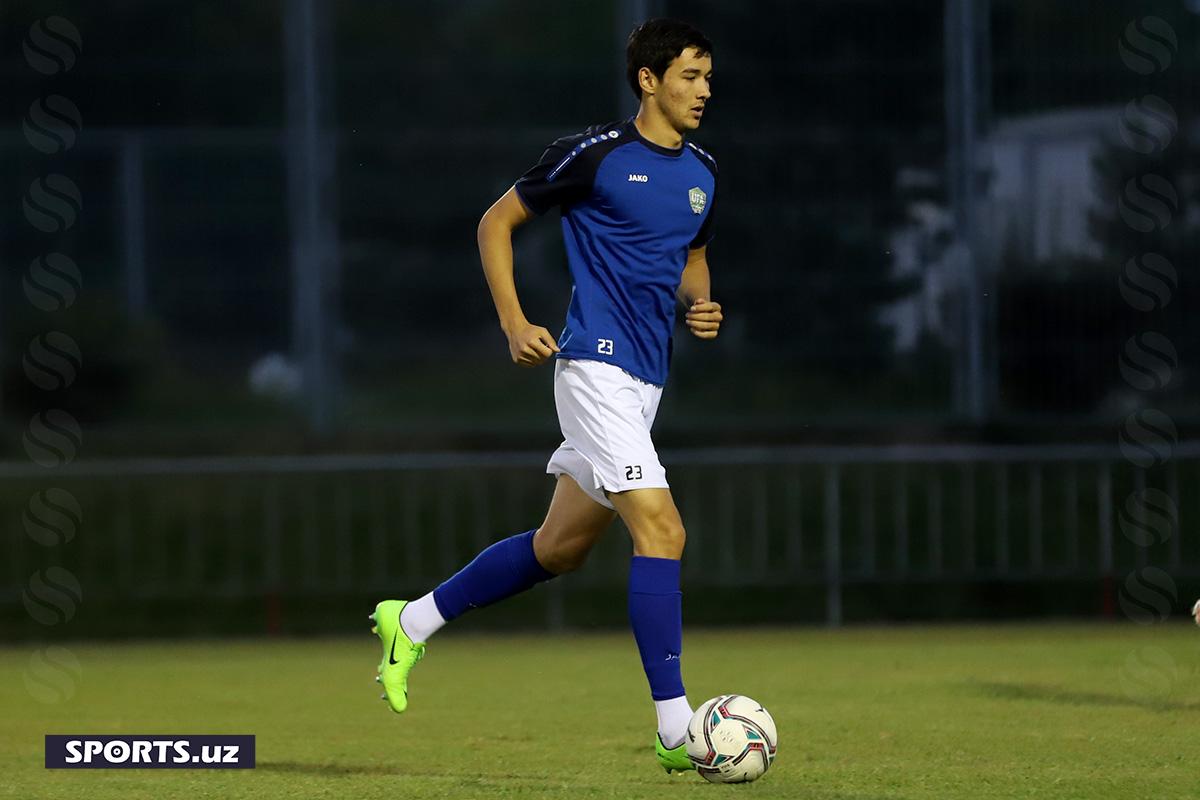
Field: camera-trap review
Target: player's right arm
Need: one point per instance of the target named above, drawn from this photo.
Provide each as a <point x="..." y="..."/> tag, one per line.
<point x="528" y="344"/>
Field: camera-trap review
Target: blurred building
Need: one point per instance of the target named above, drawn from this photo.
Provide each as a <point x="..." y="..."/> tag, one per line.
<point x="1044" y="188"/>
<point x="1041" y="192"/>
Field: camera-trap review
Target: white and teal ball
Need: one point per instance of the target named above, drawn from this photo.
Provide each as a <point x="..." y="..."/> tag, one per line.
<point x="732" y="739"/>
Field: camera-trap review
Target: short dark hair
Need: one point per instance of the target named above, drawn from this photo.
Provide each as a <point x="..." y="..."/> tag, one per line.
<point x="656" y="43"/>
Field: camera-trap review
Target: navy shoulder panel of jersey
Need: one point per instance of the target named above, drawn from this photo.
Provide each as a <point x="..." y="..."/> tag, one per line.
<point x="705" y="234"/>
<point x="565" y="172"/>
<point x="704" y="158"/>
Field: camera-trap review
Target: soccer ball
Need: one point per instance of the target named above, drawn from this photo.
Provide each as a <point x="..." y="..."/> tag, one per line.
<point x="731" y="739"/>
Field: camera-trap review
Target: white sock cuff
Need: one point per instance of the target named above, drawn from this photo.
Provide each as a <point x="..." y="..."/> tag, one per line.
<point x="421" y="619"/>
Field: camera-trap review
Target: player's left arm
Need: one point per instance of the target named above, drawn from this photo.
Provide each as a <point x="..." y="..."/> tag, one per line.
<point x="703" y="315"/>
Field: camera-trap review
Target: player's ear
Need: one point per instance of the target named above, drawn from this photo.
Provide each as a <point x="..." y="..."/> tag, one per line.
<point x="647" y="80"/>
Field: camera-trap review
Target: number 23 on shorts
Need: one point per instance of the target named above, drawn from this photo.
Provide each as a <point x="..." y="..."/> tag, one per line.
<point x="633" y="473"/>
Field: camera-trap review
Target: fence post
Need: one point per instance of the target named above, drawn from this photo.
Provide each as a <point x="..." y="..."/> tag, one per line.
<point x="968" y="518"/>
<point x="1173" y="493"/>
<point x="900" y="511"/>
<point x="1072" y="521"/>
<point x="866" y="503"/>
<point x="555" y="610"/>
<point x="934" y="526"/>
<point x="272" y="560"/>
<point x="1036" y="543"/>
<point x="833" y="547"/>
<point x="1139" y="487"/>
<point x="1105" y="511"/>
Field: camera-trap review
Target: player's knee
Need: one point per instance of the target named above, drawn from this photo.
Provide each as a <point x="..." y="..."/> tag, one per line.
<point x="663" y="534"/>
<point x="674" y="537"/>
<point x="558" y="554"/>
<point x="566" y="559"/>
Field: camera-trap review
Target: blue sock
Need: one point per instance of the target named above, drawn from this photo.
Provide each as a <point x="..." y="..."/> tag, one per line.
<point x="506" y="568"/>
<point x="656" y="613"/>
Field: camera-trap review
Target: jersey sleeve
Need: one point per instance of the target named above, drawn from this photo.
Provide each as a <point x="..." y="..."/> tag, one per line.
<point x="705" y="234"/>
<point x="560" y="178"/>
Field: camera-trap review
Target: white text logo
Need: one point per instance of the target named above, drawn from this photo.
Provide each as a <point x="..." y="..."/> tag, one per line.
<point x="639" y="178"/>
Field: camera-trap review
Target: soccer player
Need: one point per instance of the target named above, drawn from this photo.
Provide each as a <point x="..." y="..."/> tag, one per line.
<point x="637" y="216"/>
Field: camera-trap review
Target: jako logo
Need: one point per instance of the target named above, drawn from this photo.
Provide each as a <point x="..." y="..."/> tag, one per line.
<point x="639" y="178"/>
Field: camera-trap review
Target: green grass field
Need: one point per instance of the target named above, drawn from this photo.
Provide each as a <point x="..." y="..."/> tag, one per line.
<point x="949" y="712"/>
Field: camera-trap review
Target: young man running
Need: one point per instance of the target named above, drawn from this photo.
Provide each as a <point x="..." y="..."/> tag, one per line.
<point x="637" y="214"/>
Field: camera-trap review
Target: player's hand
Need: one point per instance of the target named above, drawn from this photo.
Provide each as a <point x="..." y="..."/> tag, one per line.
<point x="704" y="318"/>
<point x="530" y="345"/>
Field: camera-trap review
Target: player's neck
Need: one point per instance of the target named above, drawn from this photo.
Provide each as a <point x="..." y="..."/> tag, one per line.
<point x="653" y="126"/>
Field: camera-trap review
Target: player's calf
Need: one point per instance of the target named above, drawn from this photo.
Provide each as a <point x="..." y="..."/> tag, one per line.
<point x="573" y="525"/>
<point x="656" y="610"/>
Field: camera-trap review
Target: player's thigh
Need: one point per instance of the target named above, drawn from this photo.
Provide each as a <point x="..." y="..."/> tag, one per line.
<point x="653" y="521"/>
<point x="573" y="524"/>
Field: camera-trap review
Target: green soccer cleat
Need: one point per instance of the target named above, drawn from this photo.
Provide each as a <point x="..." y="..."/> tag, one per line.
<point x="674" y="760"/>
<point x="399" y="653"/>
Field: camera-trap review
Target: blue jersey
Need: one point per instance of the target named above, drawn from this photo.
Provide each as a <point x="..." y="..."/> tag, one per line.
<point x="631" y="210"/>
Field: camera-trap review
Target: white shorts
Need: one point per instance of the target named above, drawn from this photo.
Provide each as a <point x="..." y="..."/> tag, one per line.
<point x="605" y="415"/>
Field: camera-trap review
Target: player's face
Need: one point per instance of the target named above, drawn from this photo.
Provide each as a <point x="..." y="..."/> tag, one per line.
<point x="685" y="89"/>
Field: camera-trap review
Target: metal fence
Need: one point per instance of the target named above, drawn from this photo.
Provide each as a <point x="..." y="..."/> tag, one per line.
<point x="826" y="518"/>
